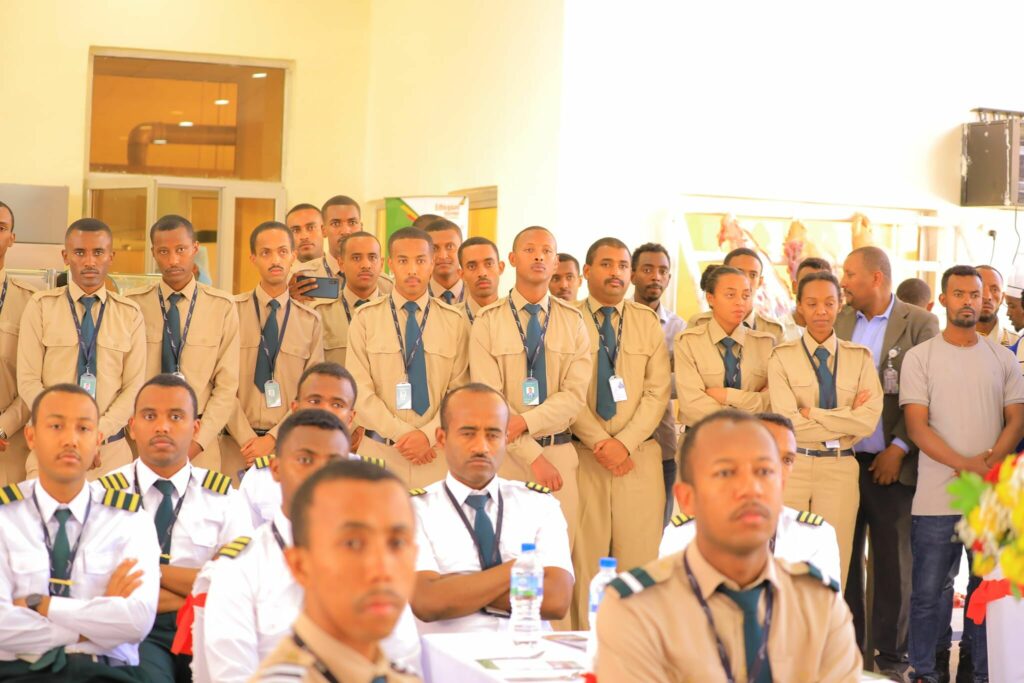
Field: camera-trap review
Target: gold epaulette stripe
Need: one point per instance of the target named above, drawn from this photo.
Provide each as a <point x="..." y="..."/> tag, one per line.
<point x="539" y="488"/>
<point x="417" y="492"/>
<point x="233" y="548"/>
<point x="115" y="481"/>
<point x="10" y="494"/>
<point x="217" y="482"/>
<point x="122" y="500"/>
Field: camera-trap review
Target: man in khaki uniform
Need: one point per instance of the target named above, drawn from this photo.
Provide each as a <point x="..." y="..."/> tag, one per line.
<point x="747" y="261"/>
<point x="622" y="499"/>
<point x="565" y="283"/>
<point x="406" y="351"/>
<point x="722" y="363"/>
<point x="704" y="614"/>
<point x="279" y="338"/>
<point x="192" y="329"/>
<point x="534" y="349"/>
<point x="83" y="334"/>
<point x="360" y="274"/>
<point x="342" y="217"/>
<point x="481" y="270"/>
<point x="307" y="225"/>
<point x="829" y="388"/>
<point x="446" y="280"/>
<point x="14" y="412"/>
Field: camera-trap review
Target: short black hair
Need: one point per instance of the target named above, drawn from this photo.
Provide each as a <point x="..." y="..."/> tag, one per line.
<point x="960" y="271"/>
<point x="310" y="417"/>
<point x="613" y="242"/>
<point x="717" y="274"/>
<point x="409" y="233"/>
<point x="170" y="222"/>
<point x="875" y="260"/>
<point x="354" y="470"/>
<point x="569" y="258"/>
<point x="690" y="436"/>
<point x="442" y="224"/>
<point x="4" y="205"/>
<point x="515" y="240"/>
<point x="88" y="225"/>
<point x="776" y="419"/>
<point x="66" y="388"/>
<point x="819" y="276"/>
<point x="814" y="263"/>
<point x="331" y="370"/>
<point x="359" y="233"/>
<point x="992" y="268"/>
<point x="648" y="248"/>
<point x="304" y="206"/>
<point x="341" y="200"/>
<point x="425" y="219"/>
<point x="474" y="388"/>
<point x="167" y="379"/>
<point x="914" y="291"/>
<point x="270" y="225"/>
<point x="742" y="251"/>
<point x="706" y="275"/>
<point x="478" y="241"/>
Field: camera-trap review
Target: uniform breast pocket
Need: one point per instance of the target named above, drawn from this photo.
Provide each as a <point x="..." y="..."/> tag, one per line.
<point x="381" y="345"/>
<point x="200" y="356"/>
<point x="8" y="342"/>
<point x="31" y="573"/>
<point x="757" y="378"/>
<point x="805" y="389"/>
<point x="98" y="568"/>
<point x="110" y="353"/>
<point x="298" y="352"/>
<point x="202" y="534"/>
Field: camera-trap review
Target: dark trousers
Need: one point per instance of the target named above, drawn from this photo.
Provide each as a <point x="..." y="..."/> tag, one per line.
<point x="155" y="657"/>
<point x="78" y="669"/>
<point x="884" y="518"/>
<point x="668" y="469"/>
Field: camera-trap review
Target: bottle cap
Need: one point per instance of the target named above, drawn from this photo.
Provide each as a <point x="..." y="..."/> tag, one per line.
<point x="609" y="563"/>
<point x="529" y="547"/>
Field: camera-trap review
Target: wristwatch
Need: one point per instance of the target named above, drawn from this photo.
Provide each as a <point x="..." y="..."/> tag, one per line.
<point x="33" y="601"/>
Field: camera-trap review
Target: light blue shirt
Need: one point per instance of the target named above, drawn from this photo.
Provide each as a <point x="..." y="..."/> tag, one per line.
<point x="871" y="333"/>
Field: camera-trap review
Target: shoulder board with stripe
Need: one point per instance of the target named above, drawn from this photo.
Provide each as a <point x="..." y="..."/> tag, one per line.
<point x="417" y="492"/>
<point x="811" y="571"/>
<point x="681" y="519"/>
<point x="122" y="500"/>
<point x="282" y="673"/>
<point x="217" y="482"/>
<point x="262" y="462"/>
<point x="10" y="494"/>
<point x="115" y="481"/>
<point x="534" y="486"/>
<point x="633" y="581"/>
<point x="233" y="548"/>
<point x="379" y="462"/>
<point x="810" y="518"/>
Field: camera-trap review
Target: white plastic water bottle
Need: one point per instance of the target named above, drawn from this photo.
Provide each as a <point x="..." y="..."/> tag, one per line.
<point x="605" y="573"/>
<point x="526" y="592"/>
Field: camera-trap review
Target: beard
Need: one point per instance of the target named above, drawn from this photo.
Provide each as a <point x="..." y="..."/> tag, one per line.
<point x="957" y="321"/>
<point x="986" y="317"/>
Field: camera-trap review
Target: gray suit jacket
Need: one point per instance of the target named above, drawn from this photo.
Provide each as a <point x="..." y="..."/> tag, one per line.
<point x="908" y="326"/>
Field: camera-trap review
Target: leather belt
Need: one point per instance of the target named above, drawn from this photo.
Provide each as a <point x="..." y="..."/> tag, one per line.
<point x="378" y="438"/>
<point x="828" y="453"/>
<point x="116" y="437"/>
<point x="106" y="660"/>
<point x="554" y="439"/>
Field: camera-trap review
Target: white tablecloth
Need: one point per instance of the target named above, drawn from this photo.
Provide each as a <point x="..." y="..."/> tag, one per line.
<point x="1004" y="622"/>
<point x="452" y="657"/>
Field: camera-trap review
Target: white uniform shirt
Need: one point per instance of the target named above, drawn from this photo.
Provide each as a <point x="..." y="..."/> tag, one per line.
<point x="114" y="626"/>
<point x="260" y="496"/>
<point x="252" y="603"/>
<point x="795" y="541"/>
<point x="446" y="547"/>
<point x="206" y="520"/>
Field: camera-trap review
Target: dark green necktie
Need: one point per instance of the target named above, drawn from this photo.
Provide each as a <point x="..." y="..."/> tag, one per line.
<point x="732" y="364"/>
<point x="360" y="302"/>
<point x="88" y="332"/>
<point x="164" y="519"/>
<point x="826" y="382"/>
<point x="483" y="529"/>
<point x="172" y="341"/>
<point x="271" y="339"/>
<point x="752" y="630"/>
<point x="418" y="366"/>
<point x="448" y="296"/>
<point x="540" y="367"/>
<point x="605" y="400"/>
<point x="60" y="567"/>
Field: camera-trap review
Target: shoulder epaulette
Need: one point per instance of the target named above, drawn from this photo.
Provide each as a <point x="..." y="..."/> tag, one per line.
<point x="10" y="494"/>
<point x="503" y="301"/>
<point x="379" y="462"/>
<point x="809" y="518"/>
<point x="122" y="500"/>
<point x="810" y="570"/>
<point x="115" y="481"/>
<point x="143" y="289"/>
<point x="262" y="462"/>
<point x="217" y="482"/>
<point x="233" y="548"/>
<point x="283" y="672"/>
<point x="417" y="492"/>
<point x="567" y="305"/>
<point x="642" y="309"/>
<point x="632" y="581"/>
<point x="31" y="289"/>
<point x="213" y="291"/>
<point x="539" y="488"/>
<point x="241" y="297"/>
<point x="122" y="299"/>
<point x="681" y="519"/>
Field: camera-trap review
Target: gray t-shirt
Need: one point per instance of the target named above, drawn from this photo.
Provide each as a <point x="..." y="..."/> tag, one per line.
<point x="965" y="390"/>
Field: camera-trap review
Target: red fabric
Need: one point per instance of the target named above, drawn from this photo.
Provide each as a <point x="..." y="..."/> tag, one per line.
<point x="182" y="644"/>
<point x="986" y="592"/>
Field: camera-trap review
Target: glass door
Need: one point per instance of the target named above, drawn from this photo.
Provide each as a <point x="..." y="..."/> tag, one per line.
<point x="242" y="209"/>
<point x="128" y="206"/>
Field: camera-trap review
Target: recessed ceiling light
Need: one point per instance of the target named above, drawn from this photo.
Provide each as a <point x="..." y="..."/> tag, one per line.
<point x="185" y="124"/>
<point x="221" y="103"/>
<point x="259" y="74"/>
<point x="159" y="141"/>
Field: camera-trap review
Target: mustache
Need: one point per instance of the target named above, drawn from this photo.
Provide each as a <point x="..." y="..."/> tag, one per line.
<point x="751" y="507"/>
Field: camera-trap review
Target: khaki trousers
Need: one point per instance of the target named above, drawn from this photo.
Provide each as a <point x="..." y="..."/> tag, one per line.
<point x="112" y="456"/>
<point x="229" y="455"/>
<point x="830" y="487"/>
<point x="620" y="517"/>
<point x="12" y="460"/>
<point x="414" y="476"/>
<point x="564" y="458"/>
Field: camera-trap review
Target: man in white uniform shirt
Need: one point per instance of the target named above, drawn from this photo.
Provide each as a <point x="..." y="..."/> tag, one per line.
<point x="253" y="600"/>
<point x="800" y="536"/>
<point x="78" y="566"/>
<point x="191" y="508"/>
<point x="471" y="525"/>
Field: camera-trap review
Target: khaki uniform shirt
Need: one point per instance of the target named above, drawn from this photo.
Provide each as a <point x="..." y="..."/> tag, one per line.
<point x="317" y="267"/>
<point x="754" y="321"/>
<point x="1003" y="336"/>
<point x="48" y="350"/>
<point x="793" y="384"/>
<point x="470" y="308"/>
<point x="209" y="355"/>
<point x="336" y="316"/>
<point x="641" y="362"/>
<point x="699" y="365"/>
<point x="497" y="358"/>
<point x="302" y="347"/>
<point x="14" y="412"/>
<point x="458" y="290"/>
<point x="289" y="661"/>
<point x="660" y="633"/>
<point x="375" y="361"/>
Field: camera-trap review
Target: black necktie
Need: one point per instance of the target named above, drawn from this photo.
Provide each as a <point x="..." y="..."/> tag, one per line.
<point x="172" y="341"/>
<point x="360" y="302"/>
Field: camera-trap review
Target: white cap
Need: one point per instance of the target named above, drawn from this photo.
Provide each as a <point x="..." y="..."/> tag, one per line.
<point x="1015" y="284"/>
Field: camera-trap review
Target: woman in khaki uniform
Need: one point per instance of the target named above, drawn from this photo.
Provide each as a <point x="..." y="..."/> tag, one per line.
<point x="723" y="363"/>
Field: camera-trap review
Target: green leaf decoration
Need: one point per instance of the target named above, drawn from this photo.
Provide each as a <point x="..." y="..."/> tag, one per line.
<point x="966" y="491"/>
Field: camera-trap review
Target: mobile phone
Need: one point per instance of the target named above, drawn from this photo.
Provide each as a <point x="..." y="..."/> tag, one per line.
<point x="326" y="287"/>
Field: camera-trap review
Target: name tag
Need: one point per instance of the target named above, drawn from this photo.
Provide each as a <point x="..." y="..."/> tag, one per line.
<point x="618" y="386"/>
<point x="88" y="382"/>
<point x="531" y="392"/>
<point x="834" y="443"/>
<point x="272" y="393"/>
<point x="403" y="396"/>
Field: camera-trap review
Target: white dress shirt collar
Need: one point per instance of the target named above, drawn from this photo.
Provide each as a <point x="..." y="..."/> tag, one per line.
<point x="148" y="477"/>
<point x="284" y="526"/>
<point x="461" y="491"/>
<point x="48" y="505"/>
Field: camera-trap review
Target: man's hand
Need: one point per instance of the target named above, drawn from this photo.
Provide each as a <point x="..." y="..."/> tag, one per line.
<point x="415" y="447"/>
<point x="610" y="453"/>
<point x="43" y="608"/>
<point x="977" y="463"/>
<point x="625" y="468"/>
<point x="862" y="398"/>
<point x="546" y="474"/>
<point x="717" y="393"/>
<point x="806" y="412"/>
<point x="885" y="468"/>
<point x="3" y="445"/>
<point x="299" y="284"/>
<point x="258" y="447"/>
<point x="97" y="461"/>
<point x="516" y="426"/>
<point x="357" y="439"/>
<point x="194" y="449"/>
<point x="123" y="581"/>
